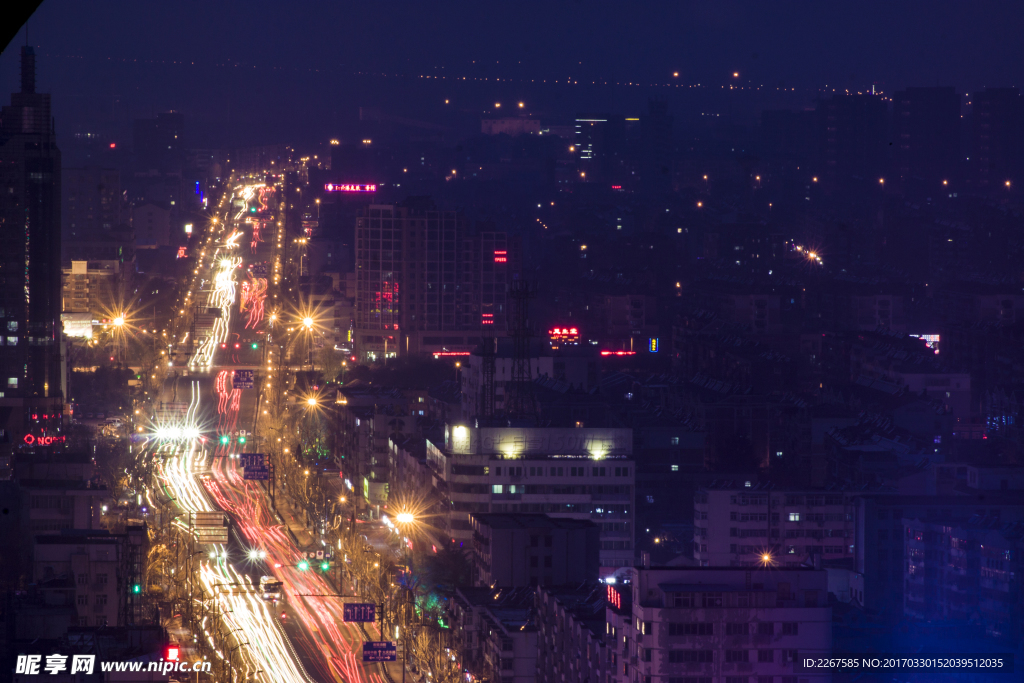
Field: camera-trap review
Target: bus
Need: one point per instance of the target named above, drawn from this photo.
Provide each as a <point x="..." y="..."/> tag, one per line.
<point x="271" y="588"/>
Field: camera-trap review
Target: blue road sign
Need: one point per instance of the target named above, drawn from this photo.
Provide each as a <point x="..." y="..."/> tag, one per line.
<point x="253" y="460"/>
<point x="380" y="651"/>
<point x="256" y="473"/>
<point x="242" y="379"/>
<point x="359" y="611"/>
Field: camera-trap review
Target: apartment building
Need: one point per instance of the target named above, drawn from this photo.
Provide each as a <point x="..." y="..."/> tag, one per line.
<point x="497" y="633"/>
<point x="88" y="567"/>
<point x="571" y="630"/>
<point x="970" y="573"/>
<point x="522" y="549"/>
<point x="584" y="473"/>
<point x="749" y="524"/>
<point x="723" y="625"/>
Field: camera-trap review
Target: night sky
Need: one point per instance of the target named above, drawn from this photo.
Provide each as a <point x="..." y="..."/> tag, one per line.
<point x="298" y="72"/>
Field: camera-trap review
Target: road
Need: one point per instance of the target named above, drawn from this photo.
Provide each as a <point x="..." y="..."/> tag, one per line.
<point x="304" y="638"/>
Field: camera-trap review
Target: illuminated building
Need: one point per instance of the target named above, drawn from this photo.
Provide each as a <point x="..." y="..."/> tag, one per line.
<point x="91" y="287"/>
<point x="423" y="284"/>
<point x="577" y="472"/>
<point x="600" y="147"/>
<point x="31" y="378"/>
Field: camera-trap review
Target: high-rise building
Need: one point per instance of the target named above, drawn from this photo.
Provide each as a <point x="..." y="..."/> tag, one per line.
<point x="31" y="381"/>
<point x="926" y="133"/>
<point x="92" y="203"/>
<point x="656" y="172"/>
<point x="600" y="145"/>
<point x="160" y="143"/>
<point x="852" y="137"/>
<point x="423" y="285"/>
<point x="997" y="136"/>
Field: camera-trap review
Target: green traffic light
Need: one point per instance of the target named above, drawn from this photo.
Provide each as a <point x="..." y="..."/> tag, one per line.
<point x="136" y="588"/>
<point x="324" y="566"/>
<point x="224" y="439"/>
<point x="302" y="566"/>
<point x="241" y="439"/>
<point x="255" y="345"/>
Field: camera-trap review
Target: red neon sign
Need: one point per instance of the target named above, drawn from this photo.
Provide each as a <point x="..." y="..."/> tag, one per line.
<point x="441" y="354"/>
<point x="487" y="318"/>
<point x="43" y="440"/>
<point x="618" y="353"/>
<point x="614" y="599"/>
<point x="567" y="335"/>
<point x="500" y="256"/>
<point x="182" y="252"/>
<point x="350" y="187"/>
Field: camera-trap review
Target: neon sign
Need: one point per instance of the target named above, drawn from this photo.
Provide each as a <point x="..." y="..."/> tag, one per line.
<point x="500" y="256"/>
<point x="443" y="354"/>
<point x="653" y="345"/>
<point x="563" y="335"/>
<point x="350" y="187"/>
<point x="182" y="252"/>
<point x="486" y="318"/>
<point x="618" y="353"/>
<point x="614" y="599"/>
<point x="43" y="440"/>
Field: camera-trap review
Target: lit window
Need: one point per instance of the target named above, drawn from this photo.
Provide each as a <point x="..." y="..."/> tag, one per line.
<point x="794" y="516"/>
<point x="675" y="440"/>
<point x="675" y="468"/>
<point x="12" y="382"/>
<point x="497" y="488"/>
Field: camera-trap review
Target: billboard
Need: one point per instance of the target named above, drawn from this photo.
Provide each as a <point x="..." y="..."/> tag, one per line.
<point x="77" y="324"/>
<point x="350" y="187"/>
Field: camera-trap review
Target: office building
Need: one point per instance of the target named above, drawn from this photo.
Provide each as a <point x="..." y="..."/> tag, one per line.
<point x="582" y="473"/>
<point x="533" y="549"/>
<point x="926" y="130"/>
<point x="724" y="625"/>
<point x="422" y="285"/>
<point x="31" y="377"/>
<point x="736" y="525"/>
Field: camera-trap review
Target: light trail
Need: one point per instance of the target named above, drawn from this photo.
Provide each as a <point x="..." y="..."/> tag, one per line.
<point x="268" y="655"/>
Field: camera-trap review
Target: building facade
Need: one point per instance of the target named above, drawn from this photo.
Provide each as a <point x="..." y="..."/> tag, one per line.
<point x="422" y="285"/>
<point x="736" y="525"/>
<point x="724" y="625"/>
<point x="584" y="473"/>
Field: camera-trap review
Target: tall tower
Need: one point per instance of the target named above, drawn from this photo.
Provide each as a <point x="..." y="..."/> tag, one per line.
<point x="519" y="400"/>
<point x="31" y="380"/>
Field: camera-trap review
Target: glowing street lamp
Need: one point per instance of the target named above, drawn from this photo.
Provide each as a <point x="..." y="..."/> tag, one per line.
<point x="405" y="518"/>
